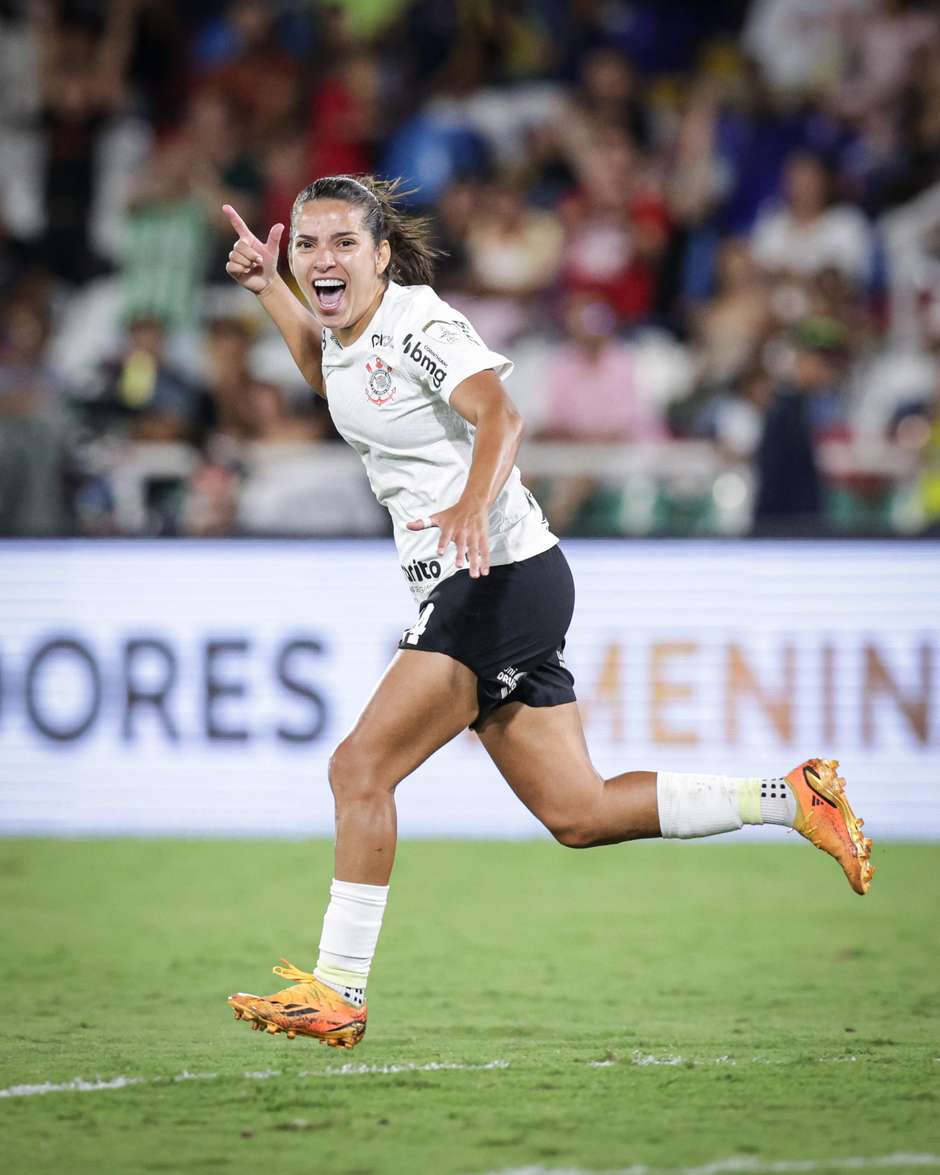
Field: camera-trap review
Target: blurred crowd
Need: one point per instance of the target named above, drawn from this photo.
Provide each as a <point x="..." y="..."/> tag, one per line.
<point x="708" y="234"/>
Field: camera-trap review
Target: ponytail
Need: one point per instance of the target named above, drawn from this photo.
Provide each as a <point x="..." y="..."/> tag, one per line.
<point x="409" y="237"/>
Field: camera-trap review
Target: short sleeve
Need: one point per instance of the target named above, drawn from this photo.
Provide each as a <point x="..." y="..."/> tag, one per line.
<point x="440" y="349"/>
<point x="767" y="242"/>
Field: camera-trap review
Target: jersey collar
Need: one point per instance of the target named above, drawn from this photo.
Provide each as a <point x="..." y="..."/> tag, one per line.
<point x="391" y="294"/>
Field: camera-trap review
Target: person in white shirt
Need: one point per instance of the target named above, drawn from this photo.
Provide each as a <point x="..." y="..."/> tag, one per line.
<point x="807" y="234"/>
<point x="416" y="392"/>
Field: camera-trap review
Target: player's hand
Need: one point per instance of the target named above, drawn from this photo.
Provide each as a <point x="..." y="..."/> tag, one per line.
<point x="252" y="263"/>
<point x="466" y="525"/>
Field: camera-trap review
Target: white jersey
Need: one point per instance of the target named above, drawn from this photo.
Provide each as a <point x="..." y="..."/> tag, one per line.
<point x="389" y="396"/>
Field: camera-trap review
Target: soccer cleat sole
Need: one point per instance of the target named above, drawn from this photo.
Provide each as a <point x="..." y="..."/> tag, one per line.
<point x="821" y="776"/>
<point x="341" y="1038"/>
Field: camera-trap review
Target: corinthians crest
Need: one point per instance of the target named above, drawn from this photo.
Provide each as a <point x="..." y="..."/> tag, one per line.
<point x="380" y="388"/>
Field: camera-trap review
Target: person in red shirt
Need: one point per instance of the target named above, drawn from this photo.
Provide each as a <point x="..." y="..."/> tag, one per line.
<point x="618" y="228"/>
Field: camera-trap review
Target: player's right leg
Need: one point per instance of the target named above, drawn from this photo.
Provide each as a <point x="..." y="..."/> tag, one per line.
<point x="541" y="752"/>
<point x="423" y="701"/>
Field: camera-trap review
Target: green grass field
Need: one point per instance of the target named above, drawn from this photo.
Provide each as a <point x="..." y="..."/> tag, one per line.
<point x="669" y="1006"/>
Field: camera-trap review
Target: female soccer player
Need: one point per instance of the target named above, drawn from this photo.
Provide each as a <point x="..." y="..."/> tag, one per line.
<point x="417" y="393"/>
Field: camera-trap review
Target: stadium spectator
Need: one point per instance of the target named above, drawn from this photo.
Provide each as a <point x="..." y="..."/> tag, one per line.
<point x="592" y="395"/>
<point x="591" y="386"/>
<point x="295" y="481"/>
<point x="805" y="406"/>
<point x="513" y="254"/>
<point x="617" y="227"/>
<point x="454" y="214"/>
<point x="609" y="97"/>
<point x="32" y="428"/>
<point x="695" y="184"/>
<point x="82" y="77"/>
<point x="754" y="133"/>
<point x="547" y="166"/>
<point x="737" y="417"/>
<point x="513" y="250"/>
<point x="210" y="502"/>
<point x="271" y="419"/>
<point x="730" y="326"/>
<point x="801" y="45"/>
<point x="919" y="128"/>
<point x="343" y="118"/>
<point x="159" y="55"/>
<point x="915" y="427"/>
<point x="167" y="238"/>
<point x="227" y="374"/>
<point x="243" y="46"/>
<point x="727" y="332"/>
<point x="809" y="233"/>
<point x="221" y="169"/>
<point x="173" y="244"/>
<point x="883" y="40"/>
<point x="140" y="395"/>
<point x="283" y="173"/>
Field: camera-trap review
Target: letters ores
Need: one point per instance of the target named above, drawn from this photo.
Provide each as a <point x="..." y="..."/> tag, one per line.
<point x="148" y="683"/>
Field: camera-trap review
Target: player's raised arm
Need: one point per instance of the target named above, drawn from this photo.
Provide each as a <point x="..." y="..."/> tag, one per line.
<point x="253" y="264"/>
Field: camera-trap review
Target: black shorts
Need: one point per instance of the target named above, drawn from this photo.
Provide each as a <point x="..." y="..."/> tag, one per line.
<point x="508" y="627"/>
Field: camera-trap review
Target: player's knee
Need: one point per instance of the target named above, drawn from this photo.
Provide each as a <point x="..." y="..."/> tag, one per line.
<point x="354" y="771"/>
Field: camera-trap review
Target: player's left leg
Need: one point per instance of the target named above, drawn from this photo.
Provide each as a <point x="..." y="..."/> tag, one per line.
<point x="423" y="701"/>
<point x="542" y="754"/>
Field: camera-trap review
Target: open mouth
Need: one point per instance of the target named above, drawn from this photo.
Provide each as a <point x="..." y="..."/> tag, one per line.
<point x="329" y="292"/>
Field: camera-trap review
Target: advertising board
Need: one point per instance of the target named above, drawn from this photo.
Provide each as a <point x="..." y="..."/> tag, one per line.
<point x="199" y="687"/>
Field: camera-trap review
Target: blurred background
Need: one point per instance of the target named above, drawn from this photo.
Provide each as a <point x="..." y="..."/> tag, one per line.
<point x="707" y="234"/>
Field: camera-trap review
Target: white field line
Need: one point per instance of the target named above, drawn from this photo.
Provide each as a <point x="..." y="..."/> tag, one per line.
<point x="76" y="1085"/>
<point x="742" y="1165"/>
<point x="80" y="1085"/>
<point x="351" y="1069"/>
<point x="644" y="1059"/>
<point x="648" y="1059"/>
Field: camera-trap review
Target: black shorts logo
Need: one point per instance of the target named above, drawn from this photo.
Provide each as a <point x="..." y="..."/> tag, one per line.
<point x="509" y="678"/>
<point x="412" y="635"/>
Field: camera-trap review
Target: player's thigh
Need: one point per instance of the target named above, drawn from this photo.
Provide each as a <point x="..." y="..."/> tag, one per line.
<point x="542" y="754"/>
<point x="422" y="701"/>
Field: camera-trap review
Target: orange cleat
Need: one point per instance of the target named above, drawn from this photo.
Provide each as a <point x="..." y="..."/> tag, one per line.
<point x="825" y="819"/>
<point x="307" y="1008"/>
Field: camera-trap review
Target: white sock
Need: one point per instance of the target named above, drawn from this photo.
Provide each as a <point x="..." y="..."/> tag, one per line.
<point x="777" y="802"/>
<point x="351" y="928"/>
<point x="701" y="805"/>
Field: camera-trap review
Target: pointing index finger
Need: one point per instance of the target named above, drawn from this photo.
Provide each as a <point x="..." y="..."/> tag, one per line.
<point x="236" y="221"/>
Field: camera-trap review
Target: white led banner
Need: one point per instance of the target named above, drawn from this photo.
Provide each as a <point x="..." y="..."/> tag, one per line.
<point x="198" y="687"/>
